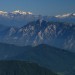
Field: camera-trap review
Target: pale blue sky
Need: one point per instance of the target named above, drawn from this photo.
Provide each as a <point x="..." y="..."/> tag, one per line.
<point x="44" y="7"/>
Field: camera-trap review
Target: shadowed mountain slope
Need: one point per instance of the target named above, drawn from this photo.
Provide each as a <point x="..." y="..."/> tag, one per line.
<point x="58" y="60"/>
<point x="22" y="68"/>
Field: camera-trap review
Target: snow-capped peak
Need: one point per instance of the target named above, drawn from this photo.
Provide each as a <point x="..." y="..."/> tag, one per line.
<point x="65" y="15"/>
<point x="21" y="12"/>
<point x="74" y="14"/>
<point x="3" y="13"/>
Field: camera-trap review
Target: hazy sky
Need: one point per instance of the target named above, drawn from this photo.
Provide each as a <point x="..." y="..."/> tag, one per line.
<point x="44" y="7"/>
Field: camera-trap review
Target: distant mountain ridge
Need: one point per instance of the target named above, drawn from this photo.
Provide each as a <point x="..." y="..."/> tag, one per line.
<point x="16" y="18"/>
<point x="66" y="15"/>
<point x="19" y="18"/>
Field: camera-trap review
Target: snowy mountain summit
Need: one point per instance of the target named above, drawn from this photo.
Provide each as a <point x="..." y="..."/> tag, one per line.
<point x="15" y="12"/>
<point x="19" y="18"/>
<point x="16" y="18"/>
<point x="66" y="15"/>
<point x="21" y="12"/>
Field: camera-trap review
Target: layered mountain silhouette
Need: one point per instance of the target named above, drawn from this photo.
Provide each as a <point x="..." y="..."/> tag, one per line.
<point x="57" y="60"/>
<point x="27" y="40"/>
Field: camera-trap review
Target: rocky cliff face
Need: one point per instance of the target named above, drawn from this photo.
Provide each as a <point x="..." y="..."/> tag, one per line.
<point x="57" y="34"/>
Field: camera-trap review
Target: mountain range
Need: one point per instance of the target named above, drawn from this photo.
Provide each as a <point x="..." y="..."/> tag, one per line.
<point x="57" y="34"/>
<point x="19" y="18"/>
<point x="46" y="43"/>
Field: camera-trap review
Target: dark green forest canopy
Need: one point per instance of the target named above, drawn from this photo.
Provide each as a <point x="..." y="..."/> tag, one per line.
<point x="22" y="68"/>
